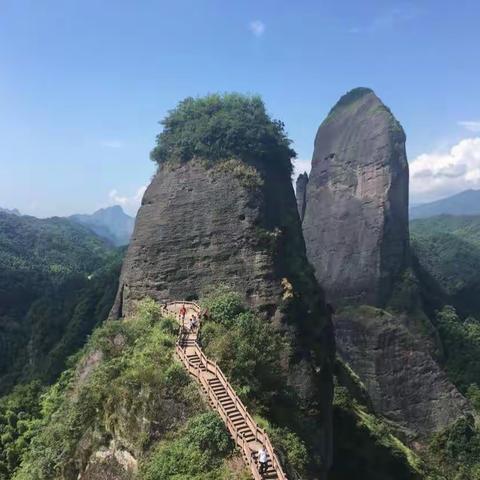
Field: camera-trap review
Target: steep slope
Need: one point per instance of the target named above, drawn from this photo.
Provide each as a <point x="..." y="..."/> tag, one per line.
<point x="106" y="415"/>
<point x="356" y="214"/>
<point x="231" y="219"/>
<point x="111" y="223"/>
<point x="57" y="281"/>
<point x="357" y="237"/>
<point x="463" y="203"/>
<point x="448" y="248"/>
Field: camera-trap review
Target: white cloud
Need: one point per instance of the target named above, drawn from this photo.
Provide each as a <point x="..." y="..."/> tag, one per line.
<point x="111" y="143"/>
<point x="130" y="204"/>
<point x="471" y="125"/>
<point x="440" y="174"/>
<point x="257" y="27"/>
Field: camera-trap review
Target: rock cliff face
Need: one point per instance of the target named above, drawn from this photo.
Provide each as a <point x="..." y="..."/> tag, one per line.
<point x="301" y="192"/>
<point x="235" y="224"/>
<point x="356" y="213"/>
<point x="356" y="232"/>
<point x="404" y="382"/>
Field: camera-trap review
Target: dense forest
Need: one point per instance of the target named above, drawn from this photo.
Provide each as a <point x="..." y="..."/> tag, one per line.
<point x="448" y="249"/>
<point x="57" y="282"/>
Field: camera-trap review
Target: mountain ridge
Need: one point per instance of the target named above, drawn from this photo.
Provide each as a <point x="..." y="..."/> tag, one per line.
<point x="466" y="202"/>
<point x="111" y="223"/>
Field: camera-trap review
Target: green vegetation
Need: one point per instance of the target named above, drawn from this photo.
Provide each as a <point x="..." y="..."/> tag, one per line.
<point x="351" y="97"/>
<point x="57" y="282"/>
<point x="247" y="175"/>
<point x="457" y="450"/>
<point x="197" y="453"/>
<point x="221" y="127"/>
<point x="247" y="349"/>
<point x="448" y="249"/>
<point x="126" y="386"/>
<point x="461" y="342"/>
<point x="365" y="447"/>
<point x="19" y="416"/>
<point x="251" y="353"/>
<point x="466" y="227"/>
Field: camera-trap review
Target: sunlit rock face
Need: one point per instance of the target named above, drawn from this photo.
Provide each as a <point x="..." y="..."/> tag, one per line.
<point x="355" y="224"/>
<point x="356" y="203"/>
<point x="234" y="224"/>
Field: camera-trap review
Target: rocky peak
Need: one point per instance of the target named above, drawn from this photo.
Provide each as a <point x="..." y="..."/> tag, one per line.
<point x="111" y="223"/>
<point x="209" y="222"/>
<point x="356" y="205"/>
<point x="356" y="231"/>
<point x="300" y="192"/>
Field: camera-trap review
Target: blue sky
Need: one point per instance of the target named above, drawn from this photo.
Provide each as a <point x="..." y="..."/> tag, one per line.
<point x="84" y="83"/>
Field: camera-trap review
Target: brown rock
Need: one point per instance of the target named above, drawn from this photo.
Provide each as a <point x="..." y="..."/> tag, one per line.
<point x="200" y="227"/>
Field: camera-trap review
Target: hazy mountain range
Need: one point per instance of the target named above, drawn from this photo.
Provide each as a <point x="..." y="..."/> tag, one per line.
<point x="463" y="203"/>
<point x="111" y="223"/>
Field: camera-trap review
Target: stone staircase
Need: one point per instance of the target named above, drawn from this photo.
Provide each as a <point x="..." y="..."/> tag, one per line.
<point x="245" y="432"/>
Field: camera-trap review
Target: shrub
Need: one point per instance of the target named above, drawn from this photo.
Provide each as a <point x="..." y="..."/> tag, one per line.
<point x="458" y="448"/>
<point x="221" y="127"/>
<point x="197" y="452"/>
<point x="223" y="306"/>
<point x="136" y="391"/>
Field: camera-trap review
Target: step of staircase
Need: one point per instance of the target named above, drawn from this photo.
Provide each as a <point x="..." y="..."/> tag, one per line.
<point x="221" y="396"/>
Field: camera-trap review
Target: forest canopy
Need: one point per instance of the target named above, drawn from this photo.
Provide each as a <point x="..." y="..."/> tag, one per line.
<point x="219" y="127"/>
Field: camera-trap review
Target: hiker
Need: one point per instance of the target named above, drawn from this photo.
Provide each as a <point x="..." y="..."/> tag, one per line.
<point x="263" y="460"/>
<point x="194" y="323"/>
<point x="183" y="312"/>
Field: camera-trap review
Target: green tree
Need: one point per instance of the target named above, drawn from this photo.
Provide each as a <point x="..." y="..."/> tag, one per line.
<point x="220" y="127"/>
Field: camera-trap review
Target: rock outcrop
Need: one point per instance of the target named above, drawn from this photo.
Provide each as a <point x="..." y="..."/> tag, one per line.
<point x="404" y="382"/>
<point x="356" y="232"/>
<point x="235" y="224"/>
<point x="356" y="213"/>
<point x="301" y="192"/>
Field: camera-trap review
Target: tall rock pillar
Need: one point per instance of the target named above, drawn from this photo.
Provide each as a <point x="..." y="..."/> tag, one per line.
<point x="356" y="210"/>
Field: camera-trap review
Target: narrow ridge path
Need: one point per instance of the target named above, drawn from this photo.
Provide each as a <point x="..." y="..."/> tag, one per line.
<point x="245" y="432"/>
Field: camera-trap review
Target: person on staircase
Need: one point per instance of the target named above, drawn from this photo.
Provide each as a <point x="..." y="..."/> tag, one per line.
<point x="262" y="460"/>
<point x="193" y="323"/>
<point x="183" y="312"/>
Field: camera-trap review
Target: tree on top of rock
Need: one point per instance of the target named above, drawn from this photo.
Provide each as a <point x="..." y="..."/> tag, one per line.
<point x="219" y="127"/>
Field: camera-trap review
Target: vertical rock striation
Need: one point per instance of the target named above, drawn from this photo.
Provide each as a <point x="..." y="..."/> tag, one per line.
<point x="356" y="232"/>
<point x="404" y="382"/>
<point x="356" y="214"/>
<point x="301" y="192"/>
<point x="232" y="223"/>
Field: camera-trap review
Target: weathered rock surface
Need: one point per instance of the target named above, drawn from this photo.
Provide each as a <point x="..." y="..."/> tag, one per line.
<point x="404" y="382"/>
<point x="234" y="224"/>
<point x="300" y="193"/>
<point x="356" y="232"/>
<point x="356" y="214"/>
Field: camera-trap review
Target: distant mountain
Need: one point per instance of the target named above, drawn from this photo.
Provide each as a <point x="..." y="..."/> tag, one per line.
<point x="448" y="248"/>
<point x="463" y="203"/>
<point x="57" y="282"/>
<point x="111" y="223"/>
<point x="13" y="212"/>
